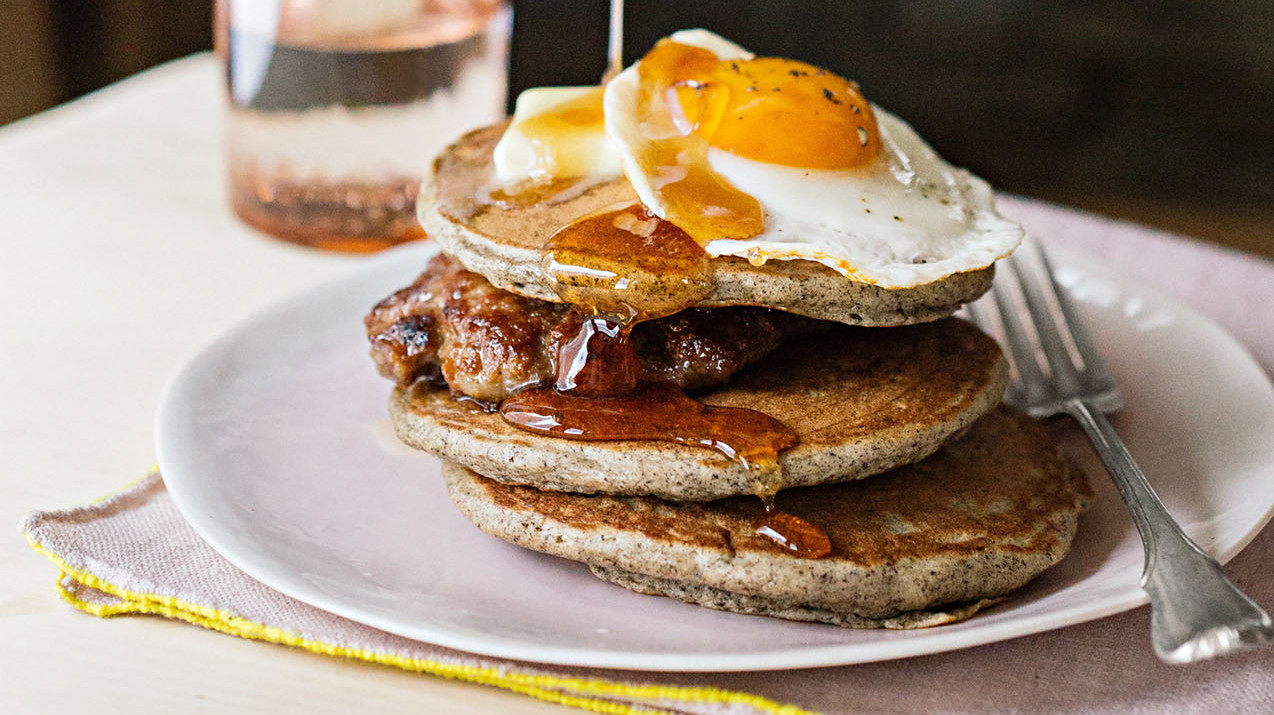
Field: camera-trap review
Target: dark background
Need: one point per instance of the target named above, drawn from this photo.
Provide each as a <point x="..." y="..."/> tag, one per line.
<point x="1157" y="111"/>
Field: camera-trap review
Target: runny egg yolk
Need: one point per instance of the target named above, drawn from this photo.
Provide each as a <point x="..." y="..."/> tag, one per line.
<point x="770" y="110"/>
<point x="784" y="112"/>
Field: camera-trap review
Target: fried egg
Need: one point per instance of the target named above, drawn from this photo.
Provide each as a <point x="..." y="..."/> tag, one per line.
<point x="767" y="159"/>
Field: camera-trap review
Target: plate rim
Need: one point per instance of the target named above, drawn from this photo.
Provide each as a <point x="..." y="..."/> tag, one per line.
<point x="934" y="640"/>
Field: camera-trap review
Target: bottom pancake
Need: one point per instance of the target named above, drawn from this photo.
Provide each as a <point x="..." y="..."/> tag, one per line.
<point x="924" y="544"/>
<point x="787" y="609"/>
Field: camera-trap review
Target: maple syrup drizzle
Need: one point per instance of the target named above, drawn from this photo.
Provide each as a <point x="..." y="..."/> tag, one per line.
<point x="675" y="97"/>
<point x="654" y="411"/>
<point x="791" y="532"/>
<point x="661" y="411"/>
<point x="617" y="268"/>
<point x="598" y="360"/>
<point x="626" y="265"/>
<point x="531" y="192"/>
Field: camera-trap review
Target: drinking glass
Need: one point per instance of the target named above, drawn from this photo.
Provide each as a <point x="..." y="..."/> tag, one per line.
<point x="335" y="108"/>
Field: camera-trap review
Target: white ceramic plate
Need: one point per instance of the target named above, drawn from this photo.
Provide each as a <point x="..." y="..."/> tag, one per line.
<point x="275" y="444"/>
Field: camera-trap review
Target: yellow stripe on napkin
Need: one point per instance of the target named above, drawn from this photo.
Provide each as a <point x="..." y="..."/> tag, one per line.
<point x="585" y="693"/>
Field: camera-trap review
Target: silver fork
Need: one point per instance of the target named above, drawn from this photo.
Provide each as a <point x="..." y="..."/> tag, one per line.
<point x="1195" y="612"/>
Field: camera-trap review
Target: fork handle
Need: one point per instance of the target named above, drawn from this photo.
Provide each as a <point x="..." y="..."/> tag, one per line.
<point x="1195" y="612"/>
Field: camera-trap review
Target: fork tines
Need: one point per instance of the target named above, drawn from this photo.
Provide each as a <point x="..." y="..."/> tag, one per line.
<point x="1052" y="354"/>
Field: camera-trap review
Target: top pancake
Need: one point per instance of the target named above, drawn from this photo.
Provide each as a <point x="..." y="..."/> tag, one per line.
<point x="504" y="245"/>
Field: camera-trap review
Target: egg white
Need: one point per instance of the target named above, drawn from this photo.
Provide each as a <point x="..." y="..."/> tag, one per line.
<point x="911" y="219"/>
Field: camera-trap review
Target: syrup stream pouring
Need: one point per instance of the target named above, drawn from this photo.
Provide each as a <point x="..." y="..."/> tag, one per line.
<point x="615" y="47"/>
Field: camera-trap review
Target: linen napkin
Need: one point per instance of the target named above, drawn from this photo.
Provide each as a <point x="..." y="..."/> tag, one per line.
<point x="132" y="553"/>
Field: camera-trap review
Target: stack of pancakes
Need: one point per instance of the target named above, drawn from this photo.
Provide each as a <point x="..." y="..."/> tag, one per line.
<point x="935" y="499"/>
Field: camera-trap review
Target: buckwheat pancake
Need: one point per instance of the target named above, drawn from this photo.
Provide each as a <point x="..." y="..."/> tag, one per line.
<point x="928" y="543"/>
<point x="861" y="401"/>
<point x="504" y="242"/>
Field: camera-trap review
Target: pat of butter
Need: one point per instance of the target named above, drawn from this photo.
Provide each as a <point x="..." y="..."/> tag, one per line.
<point x="557" y="133"/>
